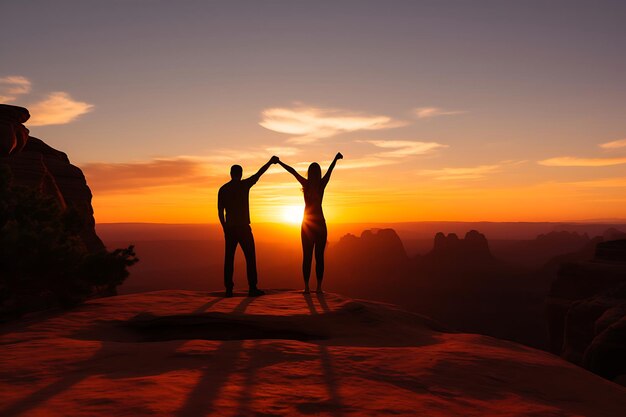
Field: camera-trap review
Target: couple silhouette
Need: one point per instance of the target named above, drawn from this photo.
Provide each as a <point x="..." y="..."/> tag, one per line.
<point x="234" y="213"/>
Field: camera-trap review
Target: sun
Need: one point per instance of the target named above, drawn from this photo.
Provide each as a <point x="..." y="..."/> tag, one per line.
<point x="292" y="214"/>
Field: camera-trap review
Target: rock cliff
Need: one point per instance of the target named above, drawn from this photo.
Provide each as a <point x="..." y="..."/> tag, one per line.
<point x="35" y="165"/>
<point x="13" y="134"/>
<point x="586" y="310"/>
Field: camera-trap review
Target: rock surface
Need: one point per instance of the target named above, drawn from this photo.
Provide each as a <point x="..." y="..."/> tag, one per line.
<point x="35" y="165"/>
<point x="184" y="353"/>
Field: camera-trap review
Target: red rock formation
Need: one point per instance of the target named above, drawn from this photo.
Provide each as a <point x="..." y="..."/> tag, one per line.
<point x="473" y="247"/>
<point x="377" y="244"/>
<point x="36" y="165"/>
<point x="586" y="311"/>
<point x="13" y="134"/>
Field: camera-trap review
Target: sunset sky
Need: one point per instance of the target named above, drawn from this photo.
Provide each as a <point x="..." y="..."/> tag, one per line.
<point x="445" y="110"/>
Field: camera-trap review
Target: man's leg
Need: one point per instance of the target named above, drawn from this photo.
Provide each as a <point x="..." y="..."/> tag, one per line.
<point x="229" y="260"/>
<point x="247" y="245"/>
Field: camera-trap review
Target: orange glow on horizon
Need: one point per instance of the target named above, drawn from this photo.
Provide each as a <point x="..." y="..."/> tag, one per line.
<point x="544" y="202"/>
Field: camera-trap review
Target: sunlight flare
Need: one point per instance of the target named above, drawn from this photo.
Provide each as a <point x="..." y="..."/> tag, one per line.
<point x="292" y="214"/>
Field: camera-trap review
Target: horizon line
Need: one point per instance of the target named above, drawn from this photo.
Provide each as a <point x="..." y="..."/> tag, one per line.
<point x="589" y="221"/>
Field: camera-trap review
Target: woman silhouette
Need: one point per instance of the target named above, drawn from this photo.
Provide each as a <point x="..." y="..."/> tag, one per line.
<point x="313" y="232"/>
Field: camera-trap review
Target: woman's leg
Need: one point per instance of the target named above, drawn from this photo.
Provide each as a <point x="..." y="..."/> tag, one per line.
<point x="321" y="236"/>
<point x="307" y="255"/>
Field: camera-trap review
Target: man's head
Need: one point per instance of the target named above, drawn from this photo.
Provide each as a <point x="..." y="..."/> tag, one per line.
<point x="236" y="171"/>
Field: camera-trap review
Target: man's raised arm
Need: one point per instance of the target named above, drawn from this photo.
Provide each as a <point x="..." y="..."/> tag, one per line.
<point x="261" y="171"/>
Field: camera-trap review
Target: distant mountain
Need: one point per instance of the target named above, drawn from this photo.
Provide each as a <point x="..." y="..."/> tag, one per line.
<point x="449" y="250"/>
<point x="613" y="234"/>
<point x="384" y="244"/>
<point x="373" y="265"/>
<point x="538" y="251"/>
<point x="459" y="282"/>
<point x="548" y="271"/>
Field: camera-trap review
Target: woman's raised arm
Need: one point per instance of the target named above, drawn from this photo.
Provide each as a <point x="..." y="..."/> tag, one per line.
<point x="293" y="172"/>
<point x="326" y="177"/>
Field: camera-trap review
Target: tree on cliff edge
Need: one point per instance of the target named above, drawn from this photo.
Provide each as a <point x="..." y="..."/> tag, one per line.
<point x="43" y="261"/>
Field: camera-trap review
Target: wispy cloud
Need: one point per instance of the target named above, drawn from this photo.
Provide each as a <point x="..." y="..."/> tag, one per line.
<point x="252" y="155"/>
<point x="404" y="148"/>
<point x="428" y="112"/>
<point x="12" y="86"/>
<point x="282" y="150"/>
<point x="618" y="182"/>
<point x="56" y="109"/>
<point x="466" y="173"/>
<point x="392" y="152"/>
<point x="366" y="162"/>
<point x="469" y="173"/>
<point x="136" y="176"/>
<point x="614" y="144"/>
<point x="309" y="124"/>
<point x="573" y="161"/>
<point x="389" y="152"/>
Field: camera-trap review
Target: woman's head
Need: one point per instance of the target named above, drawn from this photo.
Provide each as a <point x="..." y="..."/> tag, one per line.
<point x="315" y="172"/>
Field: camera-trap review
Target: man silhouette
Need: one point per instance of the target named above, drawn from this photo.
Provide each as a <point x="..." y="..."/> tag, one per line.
<point x="233" y="208"/>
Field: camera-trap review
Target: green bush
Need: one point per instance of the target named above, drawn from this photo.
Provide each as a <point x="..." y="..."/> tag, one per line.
<point x="43" y="261"/>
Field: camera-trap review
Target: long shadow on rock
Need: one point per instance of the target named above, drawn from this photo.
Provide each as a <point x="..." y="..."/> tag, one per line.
<point x="155" y="361"/>
<point x="333" y="404"/>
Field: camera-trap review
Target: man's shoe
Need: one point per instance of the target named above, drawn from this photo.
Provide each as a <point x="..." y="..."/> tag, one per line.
<point x="255" y="292"/>
<point x="229" y="293"/>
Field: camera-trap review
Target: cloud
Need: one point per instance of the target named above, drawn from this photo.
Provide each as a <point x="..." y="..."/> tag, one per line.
<point x="56" y="109"/>
<point x="393" y="152"/>
<point x="282" y="150"/>
<point x="428" y="112"/>
<point x="12" y="86"/>
<point x="573" y="161"/>
<point x="365" y="162"/>
<point x="469" y="173"/>
<point x="618" y="182"/>
<point x="404" y="148"/>
<point x="105" y="177"/>
<point x="253" y="155"/>
<point x="309" y="124"/>
<point x="614" y="144"/>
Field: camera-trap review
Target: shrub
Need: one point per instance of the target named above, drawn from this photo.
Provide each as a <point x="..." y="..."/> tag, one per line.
<point x="43" y="261"/>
